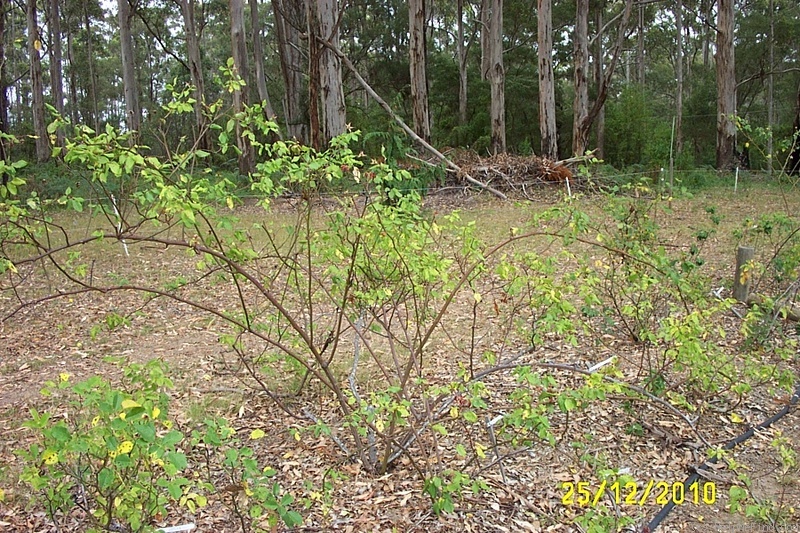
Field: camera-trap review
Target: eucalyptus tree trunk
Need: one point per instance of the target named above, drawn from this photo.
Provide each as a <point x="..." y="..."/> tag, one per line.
<point x="331" y="92"/>
<point x="94" y="118"/>
<point x="461" y="53"/>
<point x="485" y="10"/>
<point x="289" y="18"/>
<point x="314" y="83"/>
<point x="640" y="47"/>
<point x="73" y="77"/>
<point x="258" y="59"/>
<point x="580" y="105"/>
<point x="771" y="88"/>
<point x="39" y="123"/>
<point x="417" y="59"/>
<point x="196" y="71"/>
<point x="726" y="86"/>
<point x="56" y="65"/>
<point x="793" y="162"/>
<point x="599" y="77"/>
<point x="547" y="87"/>
<point x="706" y="6"/>
<point x="679" y="76"/>
<point x="133" y="113"/>
<point x="5" y="6"/>
<point x="239" y="49"/>
<point x="497" y="80"/>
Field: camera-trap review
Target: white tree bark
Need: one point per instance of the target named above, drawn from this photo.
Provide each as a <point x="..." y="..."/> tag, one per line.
<point x="334" y="116"/>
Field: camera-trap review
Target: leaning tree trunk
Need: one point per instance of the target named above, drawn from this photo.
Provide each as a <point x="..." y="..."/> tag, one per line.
<point x="239" y="48"/>
<point x="39" y="122"/>
<point x="417" y="60"/>
<point x="580" y="105"/>
<point x="584" y="120"/>
<point x="547" y="88"/>
<point x="258" y="60"/>
<point x="726" y="86"/>
<point x="133" y="114"/>
<point x="289" y="17"/>
<point x="331" y="92"/>
<point x="196" y="72"/>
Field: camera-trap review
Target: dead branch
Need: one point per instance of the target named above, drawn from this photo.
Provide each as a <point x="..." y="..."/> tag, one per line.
<point x="411" y="133"/>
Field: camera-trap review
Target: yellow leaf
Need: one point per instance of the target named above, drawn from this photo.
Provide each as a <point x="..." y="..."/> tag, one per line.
<point x="129" y="404"/>
<point x="297" y="436"/>
<point x="229" y="201"/>
<point x="156" y="412"/>
<point x="50" y="457"/>
<point x="257" y="434"/>
<point x="64" y="376"/>
<point x="37" y="45"/>
<point x="125" y="447"/>
<point x="95" y="421"/>
<point x="454" y="412"/>
<point x="2" y="495"/>
<point x="477" y="297"/>
<point x="480" y="451"/>
<point x="736" y="419"/>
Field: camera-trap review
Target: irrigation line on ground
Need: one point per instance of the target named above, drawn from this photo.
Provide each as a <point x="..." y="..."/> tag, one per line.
<point x="651" y="526"/>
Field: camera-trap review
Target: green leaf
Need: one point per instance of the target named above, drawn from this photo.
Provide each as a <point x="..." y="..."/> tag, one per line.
<point x="105" y="478"/>
<point x="178" y="459"/>
<point x="470" y="416"/>
<point x="60" y="433"/>
<point x="172" y="438"/>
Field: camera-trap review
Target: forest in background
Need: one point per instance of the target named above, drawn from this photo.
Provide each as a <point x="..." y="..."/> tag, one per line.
<point x="520" y="76"/>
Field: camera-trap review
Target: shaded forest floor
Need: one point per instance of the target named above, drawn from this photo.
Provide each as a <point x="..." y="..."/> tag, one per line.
<point x="37" y="344"/>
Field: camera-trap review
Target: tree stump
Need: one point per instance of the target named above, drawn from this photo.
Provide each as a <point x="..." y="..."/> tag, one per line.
<point x="741" y="283"/>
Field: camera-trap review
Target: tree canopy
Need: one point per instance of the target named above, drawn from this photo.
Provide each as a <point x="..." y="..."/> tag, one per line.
<point x="643" y="65"/>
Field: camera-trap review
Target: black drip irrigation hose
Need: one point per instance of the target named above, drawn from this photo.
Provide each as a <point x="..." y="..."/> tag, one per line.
<point x="662" y="514"/>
